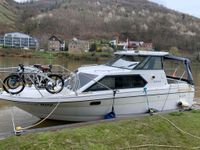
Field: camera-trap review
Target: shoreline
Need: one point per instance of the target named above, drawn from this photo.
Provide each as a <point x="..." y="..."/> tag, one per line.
<point x="90" y="56"/>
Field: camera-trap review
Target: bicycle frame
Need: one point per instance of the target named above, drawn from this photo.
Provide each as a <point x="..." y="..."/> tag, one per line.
<point x="35" y="75"/>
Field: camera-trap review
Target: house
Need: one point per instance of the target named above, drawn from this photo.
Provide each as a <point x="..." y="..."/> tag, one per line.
<point x="132" y="45"/>
<point x="19" y="40"/>
<point x="78" y="46"/>
<point x="138" y="45"/>
<point x="55" y="44"/>
<point x="147" y="46"/>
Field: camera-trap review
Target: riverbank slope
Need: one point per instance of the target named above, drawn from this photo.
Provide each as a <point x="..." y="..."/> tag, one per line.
<point x="150" y="132"/>
<point x="93" y="56"/>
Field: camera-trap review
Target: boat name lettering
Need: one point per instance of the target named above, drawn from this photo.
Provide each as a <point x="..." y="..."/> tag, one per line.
<point x="46" y="105"/>
<point x="157" y="81"/>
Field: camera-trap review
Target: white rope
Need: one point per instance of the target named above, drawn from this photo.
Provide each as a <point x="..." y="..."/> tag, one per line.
<point x="13" y="120"/>
<point x="166" y="98"/>
<point x="179" y="129"/>
<point x="158" y="145"/>
<point x="151" y="145"/>
<point x="145" y="91"/>
<point x="167" y="146"/>
<point x="31" y="126"/>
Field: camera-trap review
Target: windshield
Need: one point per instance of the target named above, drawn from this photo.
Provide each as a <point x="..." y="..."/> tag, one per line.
<point x="178" y="68"/>
<point x="78" y="80"/>
<point x="125" y="61"/>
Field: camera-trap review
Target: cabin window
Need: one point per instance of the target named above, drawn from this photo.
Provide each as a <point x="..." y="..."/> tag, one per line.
<point x="85" y="78"/>
<point x="125" y="61"/>
<point x="118" y="82"/>
<point x="151" y="63"/>
<point x="78" y="80"/>
<point x="104" y="84"/>
<point x="174" y="69"/>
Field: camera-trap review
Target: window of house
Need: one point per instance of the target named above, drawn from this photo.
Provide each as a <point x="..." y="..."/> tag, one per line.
<point x="118" y="82"/>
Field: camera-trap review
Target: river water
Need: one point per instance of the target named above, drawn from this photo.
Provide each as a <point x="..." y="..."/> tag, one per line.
<point x="24" y="119"/>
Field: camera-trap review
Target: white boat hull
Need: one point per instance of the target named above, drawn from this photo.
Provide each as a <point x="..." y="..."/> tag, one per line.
<point x="125" y="103"/>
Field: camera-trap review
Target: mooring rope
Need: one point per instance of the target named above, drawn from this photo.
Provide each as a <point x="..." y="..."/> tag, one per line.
<point x="178" y="128"/>
<point x="152" y="145"/>
<point x="13" y="120"/>
<point x="20" y="129"/>
<point x="167" y="146"/>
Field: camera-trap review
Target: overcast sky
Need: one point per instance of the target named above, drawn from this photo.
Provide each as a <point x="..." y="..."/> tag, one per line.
<point x="191" y="7"/>
<point x="20" y="1"/>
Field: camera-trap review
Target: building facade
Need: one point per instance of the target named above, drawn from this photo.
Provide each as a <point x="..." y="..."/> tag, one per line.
<point x="55" y="44"/>
<point x="78" y="46"/>
<point x="132" y="45"/>
<point x="19" y="40"/>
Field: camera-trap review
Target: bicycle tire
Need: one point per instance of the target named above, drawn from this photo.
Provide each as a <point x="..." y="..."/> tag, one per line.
<point x="17" y="80"/>
<point x="61" y="84"/>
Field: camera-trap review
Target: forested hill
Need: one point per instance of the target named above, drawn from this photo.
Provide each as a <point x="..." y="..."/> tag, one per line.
<point x="95" y="19"/>
<point x="7" y="16"/>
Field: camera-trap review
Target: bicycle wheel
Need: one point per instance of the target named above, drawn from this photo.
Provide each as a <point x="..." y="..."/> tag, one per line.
<point x="55" y="85"/>
<point x="13" y="84"/>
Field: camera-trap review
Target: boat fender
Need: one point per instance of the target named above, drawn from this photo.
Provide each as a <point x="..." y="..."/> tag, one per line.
<point x="110" y="115"/>
<point x="151" y="111"/>
<point x="183" y="103"/>
<point x="18" y="131"/>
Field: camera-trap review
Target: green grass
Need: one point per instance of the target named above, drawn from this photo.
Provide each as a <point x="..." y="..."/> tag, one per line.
<point x="90" y="56"/>
<point x="123" y="134"/>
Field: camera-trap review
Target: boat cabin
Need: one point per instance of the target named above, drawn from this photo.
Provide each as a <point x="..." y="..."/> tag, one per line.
<point x="132" y="69"/>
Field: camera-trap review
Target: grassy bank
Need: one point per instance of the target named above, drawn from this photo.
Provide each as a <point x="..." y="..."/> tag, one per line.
<point x="46" y="54"/>
<point x="124" y="134"/>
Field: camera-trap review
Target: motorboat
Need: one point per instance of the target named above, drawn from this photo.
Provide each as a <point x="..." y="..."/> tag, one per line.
<point x="133" y="82"/>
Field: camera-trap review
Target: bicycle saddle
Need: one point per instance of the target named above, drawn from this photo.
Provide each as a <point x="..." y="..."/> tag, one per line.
<point x="44" y="68"/>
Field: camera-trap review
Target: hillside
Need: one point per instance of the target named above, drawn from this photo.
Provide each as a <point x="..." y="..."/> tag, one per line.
<point x="94" y="19"/>
<point x="7" y="16"/>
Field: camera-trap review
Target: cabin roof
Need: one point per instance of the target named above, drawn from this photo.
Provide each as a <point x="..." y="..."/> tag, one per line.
<point x="144" y="53"/>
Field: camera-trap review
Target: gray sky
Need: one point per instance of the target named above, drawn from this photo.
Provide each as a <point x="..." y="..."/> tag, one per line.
<point x="191" y="7"/>
<point x="20" y="1"/>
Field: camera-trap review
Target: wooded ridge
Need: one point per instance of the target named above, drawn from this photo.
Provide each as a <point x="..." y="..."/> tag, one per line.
<point x="103" y="19"/>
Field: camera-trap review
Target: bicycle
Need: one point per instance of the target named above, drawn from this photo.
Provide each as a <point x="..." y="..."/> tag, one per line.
<point x="37" y="75"/>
